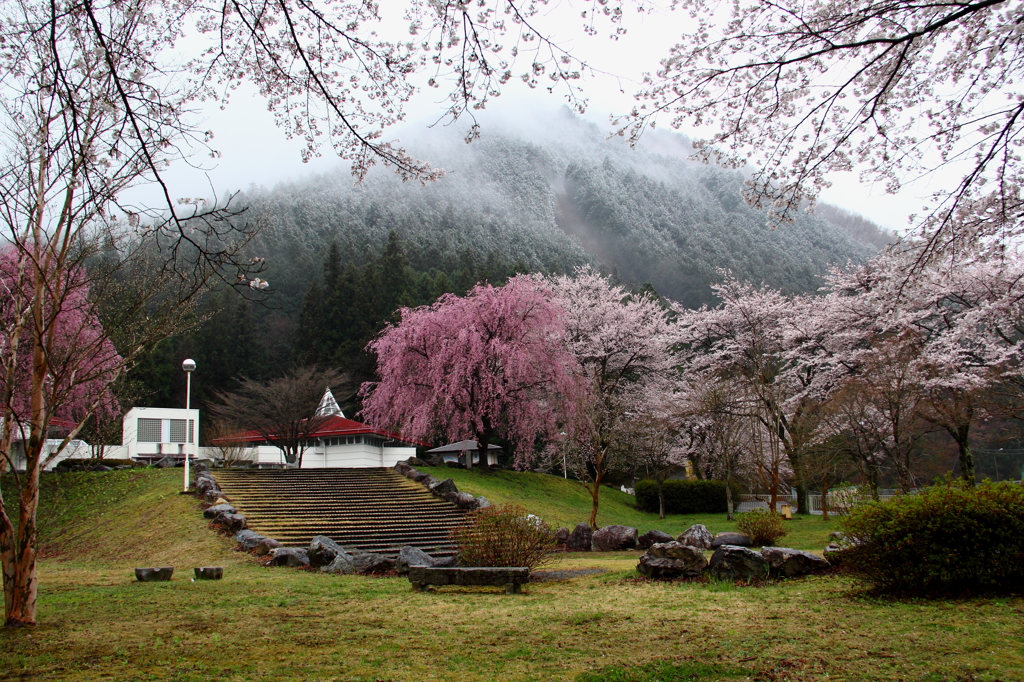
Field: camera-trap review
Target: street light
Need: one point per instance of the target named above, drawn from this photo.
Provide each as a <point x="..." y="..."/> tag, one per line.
<point x="189" y="366"/>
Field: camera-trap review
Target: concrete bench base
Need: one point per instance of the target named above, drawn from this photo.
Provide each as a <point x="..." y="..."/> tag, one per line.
<point x="209" y="573"/>
<point x="512" y="578"/>
<point x="154" y="575"/>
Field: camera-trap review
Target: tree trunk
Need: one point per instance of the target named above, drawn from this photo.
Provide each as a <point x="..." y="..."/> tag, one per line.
<point x="728" y="494"/>
<point x="661" y="501"/>
<point x="18" y="556"/>
<point x="824" y="498"/>
<point x="595" y="494"/>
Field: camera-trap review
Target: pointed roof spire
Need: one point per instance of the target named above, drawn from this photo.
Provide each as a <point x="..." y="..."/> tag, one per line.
<point x="329" y="406"/>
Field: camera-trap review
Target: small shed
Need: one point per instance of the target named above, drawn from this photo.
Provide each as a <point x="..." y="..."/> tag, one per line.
<point x="457" y="452"/>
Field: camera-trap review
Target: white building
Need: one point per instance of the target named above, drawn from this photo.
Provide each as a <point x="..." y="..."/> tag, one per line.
<point x="337" y="443"/>
<point x="152" y="433"/>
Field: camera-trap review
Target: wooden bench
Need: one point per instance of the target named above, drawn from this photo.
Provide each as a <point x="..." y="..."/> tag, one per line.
<point x="422" y="577"/>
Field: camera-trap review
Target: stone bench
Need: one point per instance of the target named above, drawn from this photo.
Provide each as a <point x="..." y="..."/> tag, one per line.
<point x="512" y="578"/>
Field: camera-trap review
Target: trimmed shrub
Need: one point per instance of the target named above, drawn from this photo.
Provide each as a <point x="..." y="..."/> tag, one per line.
<point x="504" y="535"/>
<point x="947" y="539"/>
<point x="685" y="497"/>
<point x="762" y="526"/>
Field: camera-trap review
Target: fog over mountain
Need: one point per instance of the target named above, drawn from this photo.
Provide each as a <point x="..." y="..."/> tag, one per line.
<point x="549" y="194"/>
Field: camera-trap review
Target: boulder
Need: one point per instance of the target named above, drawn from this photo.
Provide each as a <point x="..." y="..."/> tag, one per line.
<point x="289" y="556"/>
<point x="265" y="546"/>
<point x="221" y="500"/>
<point x="322" y="551"/>
<point x="204" y="485"/>
<point x="562" y="536"/>
<point x="463" y="501"/>
<point x="403" y="468"/>
<point x="232" y="523"/>
<point x="212" y="512"/>
<point x="200" y="467"/>
<point x="248" y="539"/>
<point x="343" y="563"/>
<point x="736" y="539"/>
<point x="834" y="554"/>
<point x="672" y="559"/>
<point x="100" y="467"/>
<point x="412" y="556"/>
<point x="435" y="460"/>
<point x="613" y="538"/>
<point x="209" y="572"/>
<point x="791" y="563"/>
<point x="211" y="496"/>
<point x="580" y="538"/>
<point x="166" y="463"/>
<point x="428" y="482"/>
<point x="154" y="575"/>
<point x="732" y="562"/>
<point x="446" y="562"/>
<point x="371" y="562"/>
<point x="482" y="503"/>
<point x="443" y="488"/>
<point x="653" y="537"/>
<point x="416" y="462"/>
<point x="697" y="536"/>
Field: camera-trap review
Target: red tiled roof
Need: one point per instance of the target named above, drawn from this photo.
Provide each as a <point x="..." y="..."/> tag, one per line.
<point x="334" y="426"/>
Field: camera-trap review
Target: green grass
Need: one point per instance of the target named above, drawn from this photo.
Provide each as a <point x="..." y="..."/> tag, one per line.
<point x="260" y="623"/>
<point x="562" y="502"/>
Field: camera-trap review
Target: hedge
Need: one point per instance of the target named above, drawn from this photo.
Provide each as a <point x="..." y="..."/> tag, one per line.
<point x="947" y="539"/>
<point x="685" y="497"/>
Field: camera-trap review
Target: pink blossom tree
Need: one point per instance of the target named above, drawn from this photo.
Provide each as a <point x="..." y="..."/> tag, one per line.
<point x="55" y="362"/>
<point x="492" y="363"/>
<point x="622" y="343"/>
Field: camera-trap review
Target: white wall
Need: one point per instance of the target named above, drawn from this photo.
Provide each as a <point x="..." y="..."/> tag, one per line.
<point x="129" y="432"/>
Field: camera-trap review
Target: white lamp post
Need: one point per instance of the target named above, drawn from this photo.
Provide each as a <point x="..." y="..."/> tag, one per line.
<point x="189" y="366"/>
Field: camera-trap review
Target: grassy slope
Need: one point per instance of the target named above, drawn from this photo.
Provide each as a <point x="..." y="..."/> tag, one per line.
<point x="125" y="518"/>
<point x="263" y="623"/>
<point x="561" y="502"/>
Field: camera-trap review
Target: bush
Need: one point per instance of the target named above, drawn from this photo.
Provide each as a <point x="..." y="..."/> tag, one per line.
<point x="948" y="539"/>
<point x="685" y="497"/>
<point x="504" y="535"/>
<point x="762" y="526"/>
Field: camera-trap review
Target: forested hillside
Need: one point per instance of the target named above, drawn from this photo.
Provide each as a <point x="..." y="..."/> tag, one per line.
<point x="541" y="198"/>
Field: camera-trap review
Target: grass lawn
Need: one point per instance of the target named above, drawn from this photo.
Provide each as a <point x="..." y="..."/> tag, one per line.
<point x="259" y="623"/>
<point x="562" y="502"/>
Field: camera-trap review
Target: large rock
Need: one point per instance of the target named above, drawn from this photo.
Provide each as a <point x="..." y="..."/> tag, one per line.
<point x="371" y="562"/>
<point x="289" y="556"/>
<point x="232" y="523"/>
<point x="322" y="551"/>
<point x="212" y="512"/>
<point x="248" y="539"/>
<point x="412" y="556"/>
<point x="446" y="562"/>
<point x="403" y="468"/>
<point x="737" y="539"/>
<point x="419" y="476"/>
<point x="463" y="501"/>
<point x="482" y="502"/>
<point x="613" y="539"/>
<point x="444" y="488"/>
<point x="697" y="536"/>
<point x="429" y="482"/>
<point x="265" y="546"/>
<point x="343" y="563"/>
<point x="791" y="563"/>
<point x="154" y="575"/>
<point x="580" y="538"/>
<point x="653" y="537"/>
<point x="204" y="484"/>
<point x="732" y="562"/>
<point x="212" y="496"/>
<point x="672" y="560"/>
<point x="561" y="536"/>
<point x="416" y="462"/>
<point x="166" y="463"/>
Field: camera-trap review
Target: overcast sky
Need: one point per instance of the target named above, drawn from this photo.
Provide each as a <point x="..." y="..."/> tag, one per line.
<point x="255" y="151"/>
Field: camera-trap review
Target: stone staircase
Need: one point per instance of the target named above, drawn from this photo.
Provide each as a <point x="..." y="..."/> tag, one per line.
<point x="374" y="510"/>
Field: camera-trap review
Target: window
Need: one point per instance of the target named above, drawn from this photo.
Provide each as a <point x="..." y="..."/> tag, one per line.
<point x="178" y="430"/>
<point x="191" y="430"/>
<point x="148" y="430"/>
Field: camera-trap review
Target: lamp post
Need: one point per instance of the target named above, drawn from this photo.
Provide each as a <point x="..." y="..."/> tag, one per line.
<point x="189" y="366"/>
